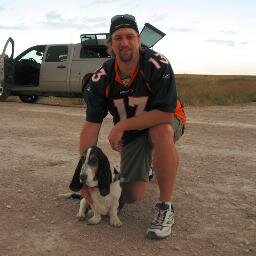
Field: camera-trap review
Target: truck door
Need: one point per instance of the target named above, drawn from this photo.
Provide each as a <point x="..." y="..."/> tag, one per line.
<point x="54" y="69"/>
<point x="150" y="35"/>
<point x="6" y="68"/>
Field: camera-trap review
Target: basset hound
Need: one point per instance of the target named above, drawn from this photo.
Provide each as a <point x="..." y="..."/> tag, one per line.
<point x="99" y="184"/>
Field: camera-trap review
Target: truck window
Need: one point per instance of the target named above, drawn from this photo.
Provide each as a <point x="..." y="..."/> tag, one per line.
<point x="94" y="52"/>
<point x="34" y="54"/>
<point x="85" y="53"/>
<point x="57" y="53"/>
<point x="27" y="66"/>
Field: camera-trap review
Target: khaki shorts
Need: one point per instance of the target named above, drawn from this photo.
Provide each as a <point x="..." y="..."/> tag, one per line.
<point x="136" y="155"/>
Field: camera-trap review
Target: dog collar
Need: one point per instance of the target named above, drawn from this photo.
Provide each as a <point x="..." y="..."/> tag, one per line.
<point x="87" y="194"/>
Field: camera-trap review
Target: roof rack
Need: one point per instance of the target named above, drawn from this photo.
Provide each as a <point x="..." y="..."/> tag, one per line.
<point x="94" y="39"/>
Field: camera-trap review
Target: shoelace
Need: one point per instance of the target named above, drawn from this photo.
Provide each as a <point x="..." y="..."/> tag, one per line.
<point x="159" y="217"/>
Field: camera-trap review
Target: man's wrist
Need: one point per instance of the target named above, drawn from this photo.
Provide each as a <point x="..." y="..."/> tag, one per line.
<point x="121" y="126"/>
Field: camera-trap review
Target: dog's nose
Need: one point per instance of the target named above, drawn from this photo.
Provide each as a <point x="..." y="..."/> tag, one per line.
<point x="83" y="178"/>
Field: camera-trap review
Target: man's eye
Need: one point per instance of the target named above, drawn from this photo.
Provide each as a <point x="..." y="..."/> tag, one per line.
<point x="117" y="39"/>
<point x="130" y="37"/>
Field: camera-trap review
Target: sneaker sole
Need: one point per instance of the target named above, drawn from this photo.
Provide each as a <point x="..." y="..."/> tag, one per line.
<point x="153" y="235"/>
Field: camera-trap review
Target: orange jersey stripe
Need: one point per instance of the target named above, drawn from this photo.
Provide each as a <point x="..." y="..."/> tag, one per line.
<point x="180" y="113"/>
<point x="119" y="80"/>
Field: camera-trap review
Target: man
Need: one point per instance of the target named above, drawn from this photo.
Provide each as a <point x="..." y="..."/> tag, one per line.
<point x="138" y="88"/>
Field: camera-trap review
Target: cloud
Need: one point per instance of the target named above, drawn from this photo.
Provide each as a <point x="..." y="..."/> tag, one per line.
<point x="91" y="3"/>
<point x="104" y="1"/>
<point x="159" y="18"/>
<point x="221" y="42"/>
<point x="181" y="30"/>
<point x="94" y="20"/>
<point x="15" y="27"/>
<point x="61" y="24"/>
<point x="229" y="32"/>
<point x="54" y="20"/>
<point x="53" y="16"/>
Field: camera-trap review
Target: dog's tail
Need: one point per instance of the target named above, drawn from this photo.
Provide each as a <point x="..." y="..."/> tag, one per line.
<point x="70" y="195"/>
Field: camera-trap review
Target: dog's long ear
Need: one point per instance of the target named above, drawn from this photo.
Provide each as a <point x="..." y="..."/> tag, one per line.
<point x="104" y="180"/>
<point x="104" y="174"/>
<point x="75" y="184"/>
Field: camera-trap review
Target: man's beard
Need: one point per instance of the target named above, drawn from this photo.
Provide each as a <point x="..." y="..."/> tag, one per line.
<point x="126" y="57"/>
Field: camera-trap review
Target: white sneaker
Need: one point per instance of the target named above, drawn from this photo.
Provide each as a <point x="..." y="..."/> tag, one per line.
<point x="161" y="226"/>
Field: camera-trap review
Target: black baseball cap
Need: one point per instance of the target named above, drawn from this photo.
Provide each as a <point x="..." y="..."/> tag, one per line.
<point x="123" y="21"/>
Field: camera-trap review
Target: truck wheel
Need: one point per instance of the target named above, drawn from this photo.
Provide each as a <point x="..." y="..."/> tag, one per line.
<point x="29" y="98"/>
<point x="4" y="91"/>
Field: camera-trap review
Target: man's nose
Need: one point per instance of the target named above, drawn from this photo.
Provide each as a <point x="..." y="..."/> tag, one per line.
<point x="124" y="41"/>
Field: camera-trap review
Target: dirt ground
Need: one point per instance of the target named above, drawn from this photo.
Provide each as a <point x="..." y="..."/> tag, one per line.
<point x="214" y="200"/>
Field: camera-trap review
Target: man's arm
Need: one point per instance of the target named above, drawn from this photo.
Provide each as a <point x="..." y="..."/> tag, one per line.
<point x="89" y="135"/>
<point x="146" y="120"/>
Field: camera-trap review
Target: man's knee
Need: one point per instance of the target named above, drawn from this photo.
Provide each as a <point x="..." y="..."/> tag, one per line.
<point x="161" y="133"/>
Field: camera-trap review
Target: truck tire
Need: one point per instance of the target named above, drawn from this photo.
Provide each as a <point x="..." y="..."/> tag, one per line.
<point x="4" y="91"/>
<point x="29" y="98"/>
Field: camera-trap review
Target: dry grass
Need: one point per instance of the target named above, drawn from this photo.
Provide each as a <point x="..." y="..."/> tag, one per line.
<point x="198" y="90"/>
<point x="201" y="90"/>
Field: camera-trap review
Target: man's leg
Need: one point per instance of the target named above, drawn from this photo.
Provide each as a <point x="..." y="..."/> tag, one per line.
<point x="132" y="192"/>
<point x="165" y="159"/>
<point x="178" y="129"/>
<point x="165" y="162"/>
<point x="135" y="165"/>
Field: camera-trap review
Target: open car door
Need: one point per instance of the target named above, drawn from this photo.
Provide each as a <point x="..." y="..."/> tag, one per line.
<point x="6" y="66"/>
<point x="150" y="35"/>
<point x="10" y="40"/>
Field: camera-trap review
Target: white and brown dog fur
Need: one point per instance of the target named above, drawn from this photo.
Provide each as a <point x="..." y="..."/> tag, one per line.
<point x="101" y="180"/>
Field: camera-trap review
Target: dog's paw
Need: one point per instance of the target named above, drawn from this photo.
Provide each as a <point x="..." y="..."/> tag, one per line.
<point x="94" y="220"/>
<point x="115" y="221"/>
<point x="80" y="217"/>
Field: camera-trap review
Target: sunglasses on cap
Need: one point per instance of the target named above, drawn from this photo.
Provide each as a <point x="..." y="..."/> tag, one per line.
<point x="124" y="16"/>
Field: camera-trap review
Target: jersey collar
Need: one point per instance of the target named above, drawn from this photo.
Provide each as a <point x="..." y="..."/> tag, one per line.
<point x="119" y="80"/>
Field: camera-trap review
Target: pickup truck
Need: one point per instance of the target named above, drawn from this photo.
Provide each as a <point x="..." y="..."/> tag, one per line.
<point x="58" y="69"/>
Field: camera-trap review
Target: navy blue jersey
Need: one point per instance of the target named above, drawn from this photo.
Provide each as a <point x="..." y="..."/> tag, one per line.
<point x="152" y="86"/>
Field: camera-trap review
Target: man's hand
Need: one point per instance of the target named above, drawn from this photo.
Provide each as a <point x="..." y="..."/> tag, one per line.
<point x="115" y="137"/>
<point x="140" y="122"/>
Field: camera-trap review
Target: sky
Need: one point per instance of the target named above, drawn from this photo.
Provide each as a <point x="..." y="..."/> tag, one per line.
<point x="202" y="37"/>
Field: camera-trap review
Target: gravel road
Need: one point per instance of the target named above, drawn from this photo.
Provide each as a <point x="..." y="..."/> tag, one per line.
<point x="214" y="200"/>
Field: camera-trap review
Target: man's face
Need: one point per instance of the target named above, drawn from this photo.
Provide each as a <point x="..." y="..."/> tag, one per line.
<point x="125" y="44"/>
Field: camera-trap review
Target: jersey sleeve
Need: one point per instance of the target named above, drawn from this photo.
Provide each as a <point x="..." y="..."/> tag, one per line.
<point x="163" y="85"/>
<point x="96" y="102"/>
